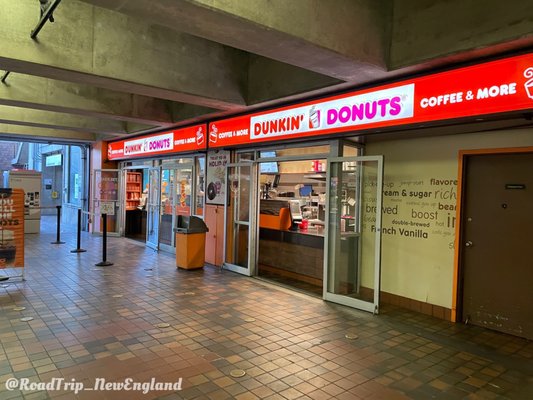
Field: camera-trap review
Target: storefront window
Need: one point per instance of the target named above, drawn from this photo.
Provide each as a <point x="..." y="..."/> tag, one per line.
<point x="350" y="151"/>
<point x="296" y="150"/>
<point x="245" y="156"/>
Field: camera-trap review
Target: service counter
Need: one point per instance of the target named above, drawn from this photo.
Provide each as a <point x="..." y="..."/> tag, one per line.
<point x="300" y="255"/>
<point x="135" y="222"/>
<point x="297" y="254"/>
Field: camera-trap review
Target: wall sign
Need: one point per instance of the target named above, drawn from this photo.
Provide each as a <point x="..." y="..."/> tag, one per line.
<point x="489" y="88"/>
<point x="107" y="207"/>
<point x="216" y="176"/>
<point x="177" y="141"/>
<point x="53" y="160"/>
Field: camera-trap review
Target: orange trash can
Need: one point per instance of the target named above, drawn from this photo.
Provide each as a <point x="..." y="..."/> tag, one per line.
<point x="190" y="242"/>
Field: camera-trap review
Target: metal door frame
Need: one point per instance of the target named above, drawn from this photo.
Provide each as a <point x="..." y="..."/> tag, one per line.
<point x="341" y="299"/>
<point x="176" y="168"/>
<point x="119" y="206"/>
<point x="252" y="223"/>
<point x="152" y="207"/>
<point x="123" y="190"/>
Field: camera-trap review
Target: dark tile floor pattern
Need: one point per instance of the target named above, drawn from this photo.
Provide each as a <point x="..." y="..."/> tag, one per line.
<point x="295" y="349"/>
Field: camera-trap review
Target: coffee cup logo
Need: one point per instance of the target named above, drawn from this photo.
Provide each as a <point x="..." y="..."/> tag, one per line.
<point x="213" y="135"/>
<point x="528" y="73"/>
<point x="199" y="136"/>
<point x="314" y="118"/>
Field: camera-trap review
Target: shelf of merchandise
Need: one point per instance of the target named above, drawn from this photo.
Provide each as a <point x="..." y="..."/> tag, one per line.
<point x="133" y="190"/>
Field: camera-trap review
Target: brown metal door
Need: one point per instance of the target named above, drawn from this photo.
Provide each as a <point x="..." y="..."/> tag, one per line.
<point x="497" y="243"/>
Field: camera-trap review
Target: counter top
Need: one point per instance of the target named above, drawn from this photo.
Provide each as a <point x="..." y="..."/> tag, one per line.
<point x="309" y="231"/>
<point x="308" y="238"/>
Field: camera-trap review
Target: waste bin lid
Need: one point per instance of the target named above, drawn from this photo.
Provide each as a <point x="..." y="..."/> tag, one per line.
<point x="190" y="224"/>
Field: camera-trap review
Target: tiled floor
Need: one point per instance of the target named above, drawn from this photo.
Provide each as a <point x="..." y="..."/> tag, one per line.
<point x="91" y="322"/>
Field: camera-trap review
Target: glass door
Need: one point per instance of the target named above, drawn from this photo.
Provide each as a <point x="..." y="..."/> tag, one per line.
<point x="152" y="208"/>
<point x="352" y="258"/>
<point x="106" y="200"/>
<point x="176" y="195"/>
<point x="239" y="218"/>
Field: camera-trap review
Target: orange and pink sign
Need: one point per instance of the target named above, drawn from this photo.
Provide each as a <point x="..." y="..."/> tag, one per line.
<point x="11" y="228"/>
<point x="495" y="87"/>
<point x="177" y="141"/>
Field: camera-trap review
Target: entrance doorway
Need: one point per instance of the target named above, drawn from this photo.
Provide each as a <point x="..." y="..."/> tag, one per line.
<point x="353" y="249"/>
<point x="496" y="252"/>
<point x="152" y="208"/>
<point x="305" y="230"/>
<point x="292" y="203"/>
<point x="239" y="237"/>
<point x="135" y="197"/>
<point x="176" y="199"/>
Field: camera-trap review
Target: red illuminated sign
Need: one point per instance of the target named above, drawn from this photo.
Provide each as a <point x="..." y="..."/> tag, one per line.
<point x="177" y="141"/>
<point x="490" y="88"/>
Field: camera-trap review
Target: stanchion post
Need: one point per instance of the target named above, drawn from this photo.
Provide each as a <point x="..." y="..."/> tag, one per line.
<point x="104" y="262"/>
<point x="58" y="227"/>
<point x="78" y="248"/>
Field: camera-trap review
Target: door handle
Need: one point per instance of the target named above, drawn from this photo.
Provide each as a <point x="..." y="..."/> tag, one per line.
<point x="469" y="244"/>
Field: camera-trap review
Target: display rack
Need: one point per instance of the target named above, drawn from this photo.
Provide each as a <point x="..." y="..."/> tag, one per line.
<point x="133" y="190"/>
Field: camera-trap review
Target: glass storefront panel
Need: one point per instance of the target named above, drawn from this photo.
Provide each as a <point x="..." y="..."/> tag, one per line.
<point x="353" y="261"/>
<point x="176" y="199"/>
<point x="75" y="176"/>
<point x="152" y="208"/>
<point x="168" y="202"/>
<point x="238" y="251"/>
<point x="200" y="186"/>
<point x="106" y="184"/>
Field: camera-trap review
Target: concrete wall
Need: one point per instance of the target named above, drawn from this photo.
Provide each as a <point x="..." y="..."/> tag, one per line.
<point x="424" y="30"/>
<point x="419" y="200"/>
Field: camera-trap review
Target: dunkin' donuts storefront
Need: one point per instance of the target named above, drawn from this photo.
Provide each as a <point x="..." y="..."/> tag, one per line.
<point x="159" y="177"/>
<point x="415" y="193"/>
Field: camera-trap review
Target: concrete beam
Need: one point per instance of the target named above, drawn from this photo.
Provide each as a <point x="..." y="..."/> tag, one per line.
<point x="39" y="93"/>
<point x="271" y="80"/>
<point x="53" y="120"/>
<point x="428" y="30"/>
<point x="28" y="133"/>
<point x="98" y="47"/>
<point x="345" y="39"/>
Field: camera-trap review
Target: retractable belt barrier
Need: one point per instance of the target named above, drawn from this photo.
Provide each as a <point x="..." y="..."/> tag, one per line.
<point x="58" y="226"/>
<point x="78" y="248"/>
<point x="104" y="262"/>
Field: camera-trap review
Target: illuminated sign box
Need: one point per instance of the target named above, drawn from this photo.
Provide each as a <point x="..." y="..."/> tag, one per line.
<point x="177" y="141"/>
<point x="490" y="88"/>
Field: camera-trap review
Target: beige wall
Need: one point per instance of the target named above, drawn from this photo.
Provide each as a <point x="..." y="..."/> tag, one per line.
<point x="421" y="266"/>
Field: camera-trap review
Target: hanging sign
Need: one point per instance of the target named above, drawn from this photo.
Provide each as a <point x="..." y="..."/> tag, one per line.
<point x="177" y="141"/>
<point x="490" y="88"/>
<point x="11" y="228"/>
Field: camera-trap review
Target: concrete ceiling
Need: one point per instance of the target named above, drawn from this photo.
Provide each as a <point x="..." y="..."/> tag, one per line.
<point x="107" y="69"/>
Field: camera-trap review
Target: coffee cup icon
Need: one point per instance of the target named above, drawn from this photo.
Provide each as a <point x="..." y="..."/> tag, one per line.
<point x="213" y="134"/>
<point x="199" y="137"/>
<point x="314" y="118"/>
<point x="528" y="73"/>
